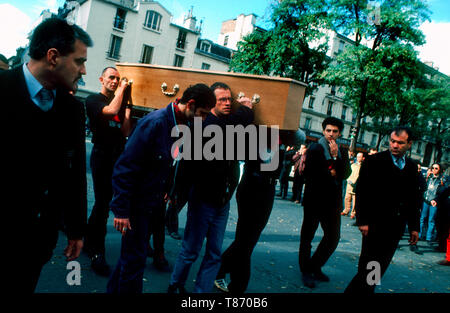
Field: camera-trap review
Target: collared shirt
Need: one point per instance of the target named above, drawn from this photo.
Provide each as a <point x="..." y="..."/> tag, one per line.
<point x="399" y="161"/>
<point x="34" y="86"/>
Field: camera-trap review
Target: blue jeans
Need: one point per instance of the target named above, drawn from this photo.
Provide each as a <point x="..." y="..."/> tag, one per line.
<point x="428" y="211"/>
<point x="203" y="221"/>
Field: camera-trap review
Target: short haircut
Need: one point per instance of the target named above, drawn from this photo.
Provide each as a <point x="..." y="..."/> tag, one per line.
<point x="203" y="95"/>
<point x="107" y="68"/>
<point x="220" y="85"/>
<point x="56" y="33"/>
<point x="333" y="121"/>
<point x="440" y="167"/>
<point x="400" y="129"/>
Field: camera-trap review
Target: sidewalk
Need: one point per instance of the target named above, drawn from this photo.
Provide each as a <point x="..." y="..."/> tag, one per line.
<point x="274" y="262"/>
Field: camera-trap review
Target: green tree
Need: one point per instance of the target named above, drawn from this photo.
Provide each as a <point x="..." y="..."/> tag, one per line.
<point x="436" y="114"/>
<point x="295" y="47"/>
<point x="382" y="55"/>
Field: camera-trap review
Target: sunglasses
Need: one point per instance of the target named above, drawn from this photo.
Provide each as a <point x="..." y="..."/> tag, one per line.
<point x="435" y="168"/>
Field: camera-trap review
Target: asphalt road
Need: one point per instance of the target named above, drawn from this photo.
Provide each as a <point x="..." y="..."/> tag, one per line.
<point x="274" y="262"/>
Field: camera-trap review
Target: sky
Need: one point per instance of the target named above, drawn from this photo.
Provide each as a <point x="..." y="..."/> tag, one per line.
<point x="16" y="18"/>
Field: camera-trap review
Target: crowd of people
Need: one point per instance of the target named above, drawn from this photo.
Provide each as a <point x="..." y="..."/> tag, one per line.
<point x="137" y="173"/>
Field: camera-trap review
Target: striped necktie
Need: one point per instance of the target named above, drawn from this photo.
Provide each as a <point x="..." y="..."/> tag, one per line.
<point x="400" y="163"/>
<point x="45" y="99"/>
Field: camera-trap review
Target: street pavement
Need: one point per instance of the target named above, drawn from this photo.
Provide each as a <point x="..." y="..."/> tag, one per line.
<point x="274" y="262"/>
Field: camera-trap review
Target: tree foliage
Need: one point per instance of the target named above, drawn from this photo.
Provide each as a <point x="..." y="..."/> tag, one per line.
<point x="379" y="72"/>
<point x="294" y="47"/>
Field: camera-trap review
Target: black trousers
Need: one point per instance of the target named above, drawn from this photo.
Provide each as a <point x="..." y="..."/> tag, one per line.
<point x="379" y="245"/>
<point x="255" y="197"/>
<point x="173" y="210"/>
<point x="297" y="187"/>
<point x="156" y="229"/>
<point x="28" y="250"/>
<point x="102" y="164"/>
<point x="330" y="221"/>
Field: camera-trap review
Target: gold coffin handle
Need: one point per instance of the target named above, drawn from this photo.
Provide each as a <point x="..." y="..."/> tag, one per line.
<point x="176" y="88"/>
<point x="255" y="99"/>
<point x="129" y="81"/>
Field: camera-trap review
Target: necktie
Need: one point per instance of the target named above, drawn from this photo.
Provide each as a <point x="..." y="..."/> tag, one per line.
<point x="45" y="99"/>
<point x="399" y="163"/>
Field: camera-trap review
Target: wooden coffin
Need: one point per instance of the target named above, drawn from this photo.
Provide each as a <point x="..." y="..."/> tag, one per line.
<point x="280" y="99"/>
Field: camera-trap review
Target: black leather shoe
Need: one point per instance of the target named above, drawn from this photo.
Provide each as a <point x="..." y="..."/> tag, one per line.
<point x="176" y="289"/>
<point x="175" y="235"/>
<point x="161" y="264"/>
<point x="99" y="265"/>
<point x="320" y="276"/>
<point x="308" y="280"/>
<point x="150" y="252"/>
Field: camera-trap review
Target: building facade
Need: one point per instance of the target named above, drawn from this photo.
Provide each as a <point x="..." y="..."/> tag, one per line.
<point x="141" y="32"/>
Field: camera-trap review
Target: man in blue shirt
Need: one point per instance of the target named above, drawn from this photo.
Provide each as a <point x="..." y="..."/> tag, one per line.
<point x="45" y="166"/>
<point x="141" y="181"/>
<point x="387" y="198"/>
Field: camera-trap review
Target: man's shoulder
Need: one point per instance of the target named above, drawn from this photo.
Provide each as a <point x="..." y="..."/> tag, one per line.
<point x="9" y="78"/>
<point x="96" y="97"/>
<point x="156" y="118"/>
<point x="314" y="147"/>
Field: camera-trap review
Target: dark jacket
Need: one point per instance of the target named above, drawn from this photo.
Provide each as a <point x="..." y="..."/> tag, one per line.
<point x="45" y="166"/>
<point x="140" y="176"/>
<point x="323" y="191"/>
<point x="215" y="181"/>
<point x="384" y="192"/>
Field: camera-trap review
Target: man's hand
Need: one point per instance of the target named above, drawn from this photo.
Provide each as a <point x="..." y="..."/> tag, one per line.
<point x="245" y="101"/>
<point x="122" y="224"/>
<point x="364" y="229"/>
<point x="73" y="249"/>
<point x="433" y="203"/>
<point x="333" y="148"/>
<point x="123" y="83"/>
<point x="413" y="237"/>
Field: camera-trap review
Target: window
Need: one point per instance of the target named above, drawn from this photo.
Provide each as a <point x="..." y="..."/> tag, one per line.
<point x="147" y="53"/>
<point x="354" y="117"/>
<point x="307" y="123"/>
<point x="333" y="90"/>
<point x="330" y="108"/>
<point x="178" y="60"/>
<point x="373" y="142"/>
<point x="114" y="48"/>
<point x="205" y="66"/>
<point x="344" y="113"/>
<point x="153" y="20"/>
<point x="119" y="20"/>
<point x="205" y="46"/>
<point x="181" y="41"/>
<point x="225" y="40"/>
<point x="419" y="148"/>
<point x="341" y="46"/>
<point x="361" y="135"/>
<point x="311" y="102"/>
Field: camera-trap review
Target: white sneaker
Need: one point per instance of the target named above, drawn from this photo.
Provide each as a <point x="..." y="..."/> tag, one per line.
<point x="221" y="284"/>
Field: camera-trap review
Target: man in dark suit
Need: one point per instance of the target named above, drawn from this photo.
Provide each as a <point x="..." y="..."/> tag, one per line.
<point x="44" y="170"/>
<point x="387" y="198"/>
<point x="326" y="166"/>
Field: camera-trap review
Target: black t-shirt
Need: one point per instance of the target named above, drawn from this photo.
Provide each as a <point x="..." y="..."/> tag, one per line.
<point x="105" y="131"/>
